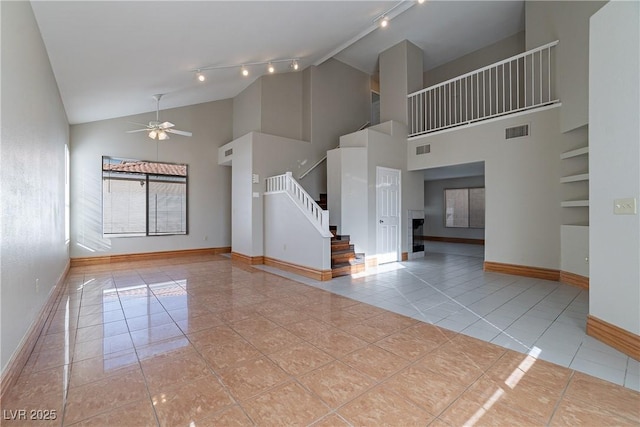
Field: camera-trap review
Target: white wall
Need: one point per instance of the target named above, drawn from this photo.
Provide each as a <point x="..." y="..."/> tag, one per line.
<point x="265" y="156"/>
<point x="355" y="165"/>
<point x="434" y="208"/>
<point x="567" y="21"/>
<point x="289" y="235"/>
<point x="614" y="164"/>
<point x="521" y="180"/>
<point x="32" y="205"/>
<point x="209" y="184"/>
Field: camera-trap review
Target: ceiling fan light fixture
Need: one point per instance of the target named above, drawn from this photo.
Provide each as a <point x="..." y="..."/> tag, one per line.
<point x="162" y="135"/>
<point x="153" y="134"/>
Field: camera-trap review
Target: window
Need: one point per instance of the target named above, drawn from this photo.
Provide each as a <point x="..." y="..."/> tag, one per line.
<point x="142" y="198"/>
<point x="464" y="207"/>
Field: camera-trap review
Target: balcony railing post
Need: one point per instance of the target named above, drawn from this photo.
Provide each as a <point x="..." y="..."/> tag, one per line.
<point x="484" y="93"/>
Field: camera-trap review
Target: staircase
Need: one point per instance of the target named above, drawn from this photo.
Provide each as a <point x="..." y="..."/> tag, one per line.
<point x="344" y="260"/>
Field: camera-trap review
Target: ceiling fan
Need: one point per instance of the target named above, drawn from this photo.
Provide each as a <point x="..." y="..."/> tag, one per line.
<point x="157" y="130"/>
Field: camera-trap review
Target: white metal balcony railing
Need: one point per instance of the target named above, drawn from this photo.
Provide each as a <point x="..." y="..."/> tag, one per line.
<point x="515" y="84"/>
<point x="286" y="183"/>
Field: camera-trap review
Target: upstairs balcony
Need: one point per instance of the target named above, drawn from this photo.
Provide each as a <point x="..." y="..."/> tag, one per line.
<point x="521" y="82"/>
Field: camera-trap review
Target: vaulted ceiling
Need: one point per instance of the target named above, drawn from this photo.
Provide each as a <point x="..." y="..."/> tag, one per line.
<point x="110" y="57"/>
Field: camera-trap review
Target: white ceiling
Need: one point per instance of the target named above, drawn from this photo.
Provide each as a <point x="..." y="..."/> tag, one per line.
<point x="110" y="57"/>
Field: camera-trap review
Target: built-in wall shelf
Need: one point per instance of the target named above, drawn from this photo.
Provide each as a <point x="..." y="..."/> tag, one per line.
<point x="575" y="178"/>
<point x="575" y="153"/>
<point x="575" y="203"/>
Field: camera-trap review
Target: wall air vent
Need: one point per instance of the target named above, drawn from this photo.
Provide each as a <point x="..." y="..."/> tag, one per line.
<point x="228" y="152"/>
<point x="423" y="149"/>
<point x="517" y="132"/>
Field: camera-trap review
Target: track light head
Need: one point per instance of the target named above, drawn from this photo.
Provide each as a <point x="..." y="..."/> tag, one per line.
<point x="384" y="21"/>
<point x="420" y="1"/>
<point x="245" y="72"/>
<point x="200" y="76"/>
<point x="294" y="64"/>
<point x="271" y="68"/>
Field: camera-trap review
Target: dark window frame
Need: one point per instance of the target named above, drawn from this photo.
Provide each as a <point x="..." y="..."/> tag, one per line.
<point x="145" y="178"/>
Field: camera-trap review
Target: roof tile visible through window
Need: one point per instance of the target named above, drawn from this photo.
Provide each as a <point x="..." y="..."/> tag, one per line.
<point x="147" y="167"/>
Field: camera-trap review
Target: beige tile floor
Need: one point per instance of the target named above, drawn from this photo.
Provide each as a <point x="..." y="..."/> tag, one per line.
<point x="202" y="341"/>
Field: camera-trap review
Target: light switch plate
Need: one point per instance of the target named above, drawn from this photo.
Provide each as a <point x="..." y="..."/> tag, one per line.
<point x="256" y="195"/>
<point x="255" y="178"/>
<point x="625" y="206"/>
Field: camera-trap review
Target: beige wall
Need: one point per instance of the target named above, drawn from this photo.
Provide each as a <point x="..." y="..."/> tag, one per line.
<point x="32" y="202"/>
<point x="495" y="52"/>
<point x="567" y="21"/>
<point x="209" y="184"/>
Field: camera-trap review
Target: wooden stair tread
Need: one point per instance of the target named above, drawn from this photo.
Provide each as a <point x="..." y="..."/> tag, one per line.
<point x="344" y="259"/>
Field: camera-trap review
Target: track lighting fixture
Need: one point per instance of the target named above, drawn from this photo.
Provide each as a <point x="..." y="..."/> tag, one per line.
<point x="384" y="21"/>
<point x="245" y="68"/>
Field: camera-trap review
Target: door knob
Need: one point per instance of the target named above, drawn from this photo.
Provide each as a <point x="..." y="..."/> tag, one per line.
<point x="381" y="221"/>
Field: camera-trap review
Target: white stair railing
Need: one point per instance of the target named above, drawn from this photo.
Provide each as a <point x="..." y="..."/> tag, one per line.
<point x="286" y="184"/>
<point x="519" y="83"/>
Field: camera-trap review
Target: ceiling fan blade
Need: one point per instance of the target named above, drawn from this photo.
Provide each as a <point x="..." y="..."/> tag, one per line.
<point x="166" y="125"/>
<point x="179" y="132"/>
<point x="137" y="130"/>
<point x="139" y="124"/>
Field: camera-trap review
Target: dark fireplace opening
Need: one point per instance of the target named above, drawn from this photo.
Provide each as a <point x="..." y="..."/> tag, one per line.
<point x="417" y="234"/>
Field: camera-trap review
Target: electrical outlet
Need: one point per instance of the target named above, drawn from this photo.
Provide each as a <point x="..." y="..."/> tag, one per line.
<point x="625" y="206"/>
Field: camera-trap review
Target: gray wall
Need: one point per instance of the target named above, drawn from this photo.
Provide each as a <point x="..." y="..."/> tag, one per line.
<point x="614" y="165"/>
<point x="434" y="208"/>
<point x="32" y="204"/>
<point x="339" y="104"/>
<point x="495" y="52"/>
<point x="247" y="110"/>
<point x="400" y="74"/>
<point x="319" y="105"/>
<point x="567" y="21"/>
<point x="282" y="105"/>
<point x="209" y="184"/>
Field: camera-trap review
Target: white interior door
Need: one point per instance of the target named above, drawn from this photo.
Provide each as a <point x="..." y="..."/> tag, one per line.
<point x="388" y="214"/>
